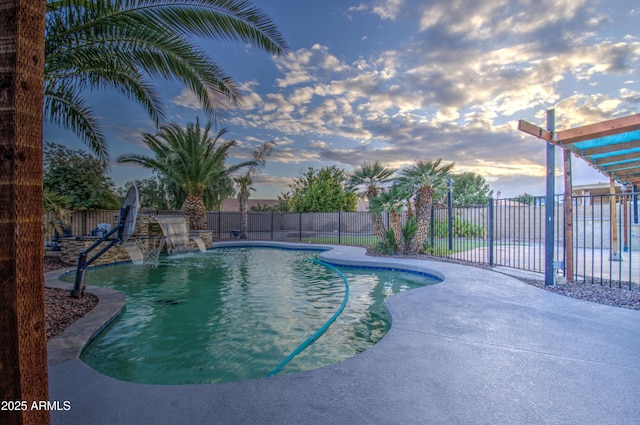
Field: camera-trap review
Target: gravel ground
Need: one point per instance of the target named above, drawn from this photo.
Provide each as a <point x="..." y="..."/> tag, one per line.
<point x="602" y="292"/>
<point x="62" y="310"/>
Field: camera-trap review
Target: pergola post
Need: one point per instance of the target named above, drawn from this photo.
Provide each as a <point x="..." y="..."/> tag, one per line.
<point x="615" y="255"/>
<point x="568" y="217"/>
<point x="549" y="224"/>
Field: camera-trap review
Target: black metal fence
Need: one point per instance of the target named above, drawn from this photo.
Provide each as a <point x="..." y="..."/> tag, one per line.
<point x="342" y="228"/>
<point x="604" y="246"/>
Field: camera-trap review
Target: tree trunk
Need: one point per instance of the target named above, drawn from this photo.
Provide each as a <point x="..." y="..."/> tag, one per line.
<point x="194" y="210"/>
<point x="245" y="218"/>
<point x="23" y="349"/>
<point x="424" y="201"/>
<point x="395" y="217"/>
<point x="378" y="226"/>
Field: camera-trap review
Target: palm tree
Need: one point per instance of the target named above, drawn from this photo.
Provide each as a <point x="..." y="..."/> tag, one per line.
<point x="23" y="352"/>
<point x="244" y="189"/>
<point x="56" y="211"/>
<point x="123" y="45"/>
<point x="193" y="160"/>
<point x="426" y="179"/>
<point x="369" y="178"/>
<point x="392" y="201"/>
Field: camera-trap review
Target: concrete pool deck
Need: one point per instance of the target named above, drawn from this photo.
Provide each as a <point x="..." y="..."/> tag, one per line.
<point x="478" y="348"/>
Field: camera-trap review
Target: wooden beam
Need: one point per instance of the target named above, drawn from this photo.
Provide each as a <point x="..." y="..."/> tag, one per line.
<point x="534" y="130"/>
<point x="623" y="166"/>
<point x="616" y="158"/>
<point x="626" y="174"/>
<point x="602" y="129"/>
<point x="610" y="148"/>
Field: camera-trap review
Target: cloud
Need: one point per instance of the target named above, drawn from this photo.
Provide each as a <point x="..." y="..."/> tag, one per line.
<point x="453" y="87"/>
<point x="318" y="144"/>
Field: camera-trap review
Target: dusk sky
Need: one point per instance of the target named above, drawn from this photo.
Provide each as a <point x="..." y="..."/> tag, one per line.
<point x="396" y="80"/>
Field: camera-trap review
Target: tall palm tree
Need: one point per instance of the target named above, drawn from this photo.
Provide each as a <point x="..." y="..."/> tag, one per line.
<point x="193" y="160"/>
<point x="23" y="351"/>
<point x="426" y="179"/>
<point x="244" y="188"/>
<point x="367" y="180"/>
<point x="124" y="45"/>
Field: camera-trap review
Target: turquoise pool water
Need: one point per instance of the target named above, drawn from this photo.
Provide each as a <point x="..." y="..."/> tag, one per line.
<point x="233" y="314"/>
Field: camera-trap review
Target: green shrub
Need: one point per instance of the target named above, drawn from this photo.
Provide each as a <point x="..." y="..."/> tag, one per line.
<point x="461" y="229"/>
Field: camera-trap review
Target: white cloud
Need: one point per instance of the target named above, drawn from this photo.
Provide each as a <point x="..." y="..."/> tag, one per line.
<point x="318" y="144"/>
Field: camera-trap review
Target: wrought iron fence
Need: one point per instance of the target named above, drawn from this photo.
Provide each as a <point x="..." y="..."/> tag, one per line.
<point x="604" y="246"/>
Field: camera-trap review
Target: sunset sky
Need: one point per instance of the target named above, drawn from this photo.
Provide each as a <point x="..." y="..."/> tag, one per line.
<point x="397" y="80"/>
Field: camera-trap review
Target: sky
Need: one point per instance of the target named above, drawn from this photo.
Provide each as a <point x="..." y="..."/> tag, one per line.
<point x="400" y="80"/>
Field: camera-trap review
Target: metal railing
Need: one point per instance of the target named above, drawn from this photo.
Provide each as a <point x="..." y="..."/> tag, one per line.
<point x="604" y="248"/>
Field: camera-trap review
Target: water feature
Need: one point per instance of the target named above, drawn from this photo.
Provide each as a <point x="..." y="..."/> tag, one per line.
<point x="199" y="242"/>
<point x="176" y="233"/>
<point x="134" y="251"/>
<point x="173" y="236"/>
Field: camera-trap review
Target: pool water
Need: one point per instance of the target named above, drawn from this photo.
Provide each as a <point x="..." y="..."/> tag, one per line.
<point x="234" y="314"/>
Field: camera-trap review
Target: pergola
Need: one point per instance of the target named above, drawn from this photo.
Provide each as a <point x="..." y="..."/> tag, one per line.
<point x="612" y="147"/>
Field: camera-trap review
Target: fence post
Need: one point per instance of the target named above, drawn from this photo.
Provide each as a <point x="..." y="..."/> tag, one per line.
<point x="450" y="214"/>
<point x="491" y="232"/>
<point x="431" y="225"/>
<point x="272" y="213"/>
<point x="300" y="227"/>
<point x="635" y="204"/>
<point x="339" y="229"/>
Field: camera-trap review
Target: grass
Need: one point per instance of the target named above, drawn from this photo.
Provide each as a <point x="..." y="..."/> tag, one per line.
<point x="440" y="244"/>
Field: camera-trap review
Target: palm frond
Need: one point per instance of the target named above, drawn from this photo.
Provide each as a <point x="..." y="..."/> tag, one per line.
<point x="123" y="44"/>
<point x="65" y="108"/>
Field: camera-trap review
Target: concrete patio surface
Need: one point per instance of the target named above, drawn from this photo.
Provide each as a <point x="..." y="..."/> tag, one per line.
<point x="478" y="348"/>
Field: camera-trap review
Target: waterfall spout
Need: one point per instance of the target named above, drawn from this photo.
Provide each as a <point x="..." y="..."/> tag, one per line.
<point x="175" y="232"/>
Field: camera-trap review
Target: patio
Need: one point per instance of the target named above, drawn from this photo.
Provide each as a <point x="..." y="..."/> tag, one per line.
<point x="479" y="347"/>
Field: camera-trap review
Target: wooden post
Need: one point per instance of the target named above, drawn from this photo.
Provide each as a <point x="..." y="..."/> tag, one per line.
<point x="568" y="217"/>
<point x="615" y="255"/>
<point x="625" y="221"/>
<point x="23" y="344"/>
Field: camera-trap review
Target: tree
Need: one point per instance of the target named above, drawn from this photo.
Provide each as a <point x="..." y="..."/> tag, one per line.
<point x="56" y="208"/>
<point x="192" y="160"/>
<point x="244" y="188"/>
<point x="525" y="198"/>
<point x="153" y="193"/>
<point x="78" y="176"/>
<point x="470" y="189"/>
<point x="284" y="202"/>
<point x="125" y="45"/>
<point x="369" y="178"/>
<point x="322" y="190"/>
<point x="392" y="200"/>
<point x="426" y="181"/>
<point x="23" y="351"/>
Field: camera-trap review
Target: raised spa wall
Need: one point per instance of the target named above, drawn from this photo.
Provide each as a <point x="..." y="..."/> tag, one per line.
<point x="146" y="226"/>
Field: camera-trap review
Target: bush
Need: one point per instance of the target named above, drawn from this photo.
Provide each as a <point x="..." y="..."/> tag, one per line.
<point x="461" y="229"/>
<point x="390" y="245"/>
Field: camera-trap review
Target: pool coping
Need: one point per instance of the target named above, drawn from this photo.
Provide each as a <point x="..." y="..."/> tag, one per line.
<point x="479" y="347"/>
<point x="69" y="343"/>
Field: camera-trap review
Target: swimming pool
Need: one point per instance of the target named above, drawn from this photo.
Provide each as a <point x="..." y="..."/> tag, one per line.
<point x="233" y="314"/>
